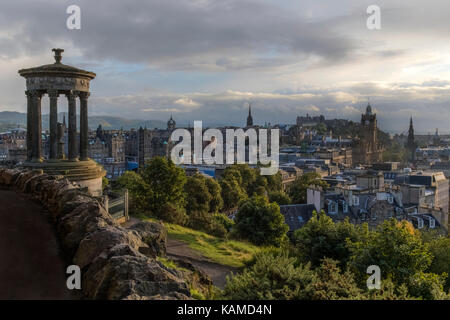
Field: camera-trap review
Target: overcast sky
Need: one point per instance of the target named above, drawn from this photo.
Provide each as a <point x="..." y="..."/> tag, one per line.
<point x="206" y="59"/>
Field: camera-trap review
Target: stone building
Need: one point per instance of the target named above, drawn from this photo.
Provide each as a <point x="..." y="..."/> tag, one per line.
<point x="151" y="143"/>
<point x="368" y="149"/>
<point x="13" y="145"/>
<point x="108" y="149"/>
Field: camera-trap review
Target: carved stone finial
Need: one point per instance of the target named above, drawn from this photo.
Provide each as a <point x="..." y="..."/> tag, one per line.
<point x="58" y="55"/>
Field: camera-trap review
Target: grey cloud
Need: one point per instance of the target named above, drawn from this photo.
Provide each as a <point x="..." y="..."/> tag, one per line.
<point x="174" y="34"/>
<point x="394" y="106"/>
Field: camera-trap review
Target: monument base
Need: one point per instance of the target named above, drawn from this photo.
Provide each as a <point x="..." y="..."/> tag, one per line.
<point x="87" y="173"/>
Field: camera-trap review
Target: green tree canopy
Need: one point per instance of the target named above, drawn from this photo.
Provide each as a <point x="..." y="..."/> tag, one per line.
<point x="216" y="202"/>
<point x="396" y="247"/>
<point x="232" y="192"/>
<point x="198" y="196"/>
<point x="279" y="197"/>
<point x="440" y="249"/>
<point x="321" y="238"/>
<point x="261" y="222"/>
<point x="272" y="276"/>
<point x="137" y="189"/>
<point x="297" y="189"/>
<point x="166" y="185"/>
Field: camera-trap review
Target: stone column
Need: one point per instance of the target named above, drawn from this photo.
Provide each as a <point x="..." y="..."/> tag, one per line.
<point x="84" y="125"/>
<point x="71" y="97"/>
<point x="53" y="94"/>
<point x="36" y="135"/>
<point x="29" y="125"/>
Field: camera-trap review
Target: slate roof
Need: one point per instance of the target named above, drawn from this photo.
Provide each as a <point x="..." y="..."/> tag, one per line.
<point x="296" y="215"/>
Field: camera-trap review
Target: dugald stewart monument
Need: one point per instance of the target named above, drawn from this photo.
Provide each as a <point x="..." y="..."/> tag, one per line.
<point x="58" y="79"/>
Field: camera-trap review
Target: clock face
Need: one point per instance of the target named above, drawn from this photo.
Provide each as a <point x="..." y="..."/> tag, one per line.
<point x="367" y="122"/>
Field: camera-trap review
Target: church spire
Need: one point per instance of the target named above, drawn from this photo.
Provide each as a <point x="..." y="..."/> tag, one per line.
<point x="249" y="118"/>
<point x="411" y="127"/>
<point x="411" y="143"/>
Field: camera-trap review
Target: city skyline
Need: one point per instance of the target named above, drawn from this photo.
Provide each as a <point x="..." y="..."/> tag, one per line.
<point x="206" y="59"/>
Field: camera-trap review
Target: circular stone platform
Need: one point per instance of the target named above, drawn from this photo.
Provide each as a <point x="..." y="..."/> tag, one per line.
<point x="87" y="173"/>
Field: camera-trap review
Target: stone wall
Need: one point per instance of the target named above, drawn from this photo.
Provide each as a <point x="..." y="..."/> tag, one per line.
<point x="116" y="263"/>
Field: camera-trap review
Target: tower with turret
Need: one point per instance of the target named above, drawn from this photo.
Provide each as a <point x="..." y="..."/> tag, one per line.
<point x="368" y="149"/>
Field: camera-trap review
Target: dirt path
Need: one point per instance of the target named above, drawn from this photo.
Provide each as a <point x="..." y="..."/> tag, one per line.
<point x="180" y="250"/>
<point x="217" y="272"/>
<point x="30" y="264"/>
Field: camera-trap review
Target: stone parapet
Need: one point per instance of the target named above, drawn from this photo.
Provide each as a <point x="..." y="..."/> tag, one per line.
<point x="116" y="263"/>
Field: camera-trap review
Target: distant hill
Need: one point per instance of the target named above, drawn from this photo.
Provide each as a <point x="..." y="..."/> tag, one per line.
<point x="10" y="120"/>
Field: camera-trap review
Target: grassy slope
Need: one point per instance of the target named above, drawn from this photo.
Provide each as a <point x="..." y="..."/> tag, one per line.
<point x="227" y="252"/>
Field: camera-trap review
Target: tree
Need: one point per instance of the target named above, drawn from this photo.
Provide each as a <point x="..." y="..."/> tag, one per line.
<point x="332" y="284"/>
<point x="321" y="238"/>
<point x="232" y="192"/>
<point x="166" y="185"/>
<point x="274" y="182"/>
<point x="216" y="202"/>
<point x="272" y="276"/>
<point x="249" y="176"/>
<point x="198" y="197"/>
<point x="297" y="189"/>
<point x="261" y="222"/>
<point x="321" y="128"/>
<point x="428" y="286"/>
<point x="440" y="249"/>
<point x="396" y="247"/>
<point x="279" y="197"/>
<point x="137" y="189"/>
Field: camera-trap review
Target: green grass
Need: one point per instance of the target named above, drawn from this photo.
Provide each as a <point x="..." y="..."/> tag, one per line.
<point x="226" y="252"/>
<point x="170" y="264"/>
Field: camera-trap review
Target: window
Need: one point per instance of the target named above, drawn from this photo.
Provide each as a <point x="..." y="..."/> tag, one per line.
<point x="332" y="207"/>
<point x="355" y="201"/>
<point x="432" y="223"/>
<point x="344" y="207"/>
<point x="390" y="199"/>
<point x="419" y="223"/>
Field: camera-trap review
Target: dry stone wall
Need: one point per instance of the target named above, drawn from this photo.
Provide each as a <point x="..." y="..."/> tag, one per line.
<point x="116" y="263"/>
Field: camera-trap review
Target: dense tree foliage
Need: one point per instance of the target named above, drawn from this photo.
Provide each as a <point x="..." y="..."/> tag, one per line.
<point x="396" y="247"/>
<point x="198" y="197"/>
<point x="166" y="185"/>
<point x="214" y="189"/>
<point x="261" y="222"/>
<point x="280" y="197"/>
<point x="137" y="190"/>
<point x="274" y="275"/>
<point x="297" y="189"/>
<point x="341" y="254"/>
<point x="322" y="238"/>
<point x="232" y="191"/>
<point x="240" y="182"/>
<point x="440" y="249"/>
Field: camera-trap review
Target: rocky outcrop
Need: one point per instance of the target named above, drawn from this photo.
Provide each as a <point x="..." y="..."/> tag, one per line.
<point x="154" y="235"/>
<point x="116" y="263"/>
